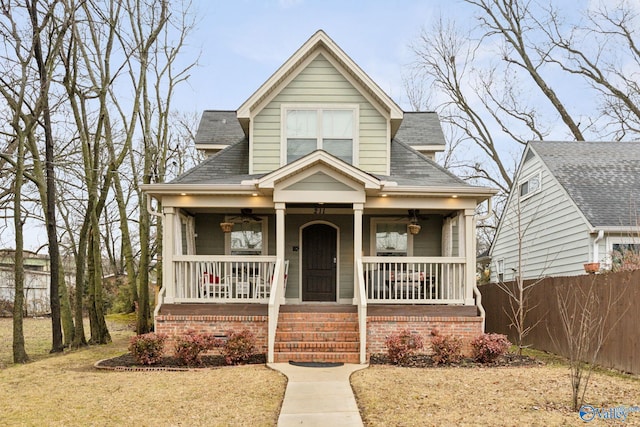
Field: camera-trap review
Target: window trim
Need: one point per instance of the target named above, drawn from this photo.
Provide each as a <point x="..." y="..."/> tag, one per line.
<point x="372" y="234"/>
<point x="355" y="109"/>
<point x="538" y="175"/>
<point x="618" y="240"/>
<point x="500" y="269"/>
<point x="265" y="234"/>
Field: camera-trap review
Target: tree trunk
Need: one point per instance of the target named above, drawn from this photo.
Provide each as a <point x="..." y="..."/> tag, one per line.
<point x="19" y="351"/>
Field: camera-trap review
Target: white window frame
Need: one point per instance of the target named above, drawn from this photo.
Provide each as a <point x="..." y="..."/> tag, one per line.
<point x="265" y="242"/>
<point x="500" y="269"/>
<point x="285" y="108"/>
<point x="617" y="240"/>
<point x="537" y="175"/>
<point x="374" y="226"/>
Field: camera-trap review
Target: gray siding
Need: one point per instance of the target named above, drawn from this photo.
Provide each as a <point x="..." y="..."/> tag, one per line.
<point x="210" y="238"/>
<point x="555" y="237"/>
<point x="320" y="83"/>
<point x="429" y="241"/>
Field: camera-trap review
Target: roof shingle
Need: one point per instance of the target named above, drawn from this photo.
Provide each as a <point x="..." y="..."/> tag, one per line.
<point x="602" y="178"/>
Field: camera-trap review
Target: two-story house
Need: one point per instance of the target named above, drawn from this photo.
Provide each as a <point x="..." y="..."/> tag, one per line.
<point x="319" y="220"/>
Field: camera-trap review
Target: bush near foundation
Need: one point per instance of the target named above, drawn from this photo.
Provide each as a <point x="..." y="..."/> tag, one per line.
<point x="147" y="349"/>
<point x="447" y="349"/>
<point x="486" y="348"/>
<point x="240" y="346"/>
<point x="189" y="347"/>
<point x="401" y="346"/>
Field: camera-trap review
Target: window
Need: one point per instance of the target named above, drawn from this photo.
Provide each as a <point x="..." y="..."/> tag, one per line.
<point x="500" y="270"/>
<point x="391" y="238"/>
<point x="246" y="238"/>
<point x="625" y="255"/>
<point x="330" y="129"/>
<point x="530" y="186"/>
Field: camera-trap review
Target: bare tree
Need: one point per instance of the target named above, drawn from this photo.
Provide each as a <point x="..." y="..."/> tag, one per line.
<point x="586" y="321"/>
<point x="497" y="81"/>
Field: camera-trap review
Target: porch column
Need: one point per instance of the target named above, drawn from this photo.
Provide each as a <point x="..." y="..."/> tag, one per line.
<point x="469" y="252"/>
<point x="357" y="245"/>
<point x="168" y="270"/>
<point x="280" y="241"/>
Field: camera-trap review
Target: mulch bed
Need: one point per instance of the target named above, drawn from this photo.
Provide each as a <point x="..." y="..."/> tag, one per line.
<point x="425" y="361"/>
<point x="127" y="362"/>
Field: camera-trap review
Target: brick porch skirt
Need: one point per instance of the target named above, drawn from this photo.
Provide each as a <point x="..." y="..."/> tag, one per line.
<point x="380" y="327"/>
<point x="221" y="325"/>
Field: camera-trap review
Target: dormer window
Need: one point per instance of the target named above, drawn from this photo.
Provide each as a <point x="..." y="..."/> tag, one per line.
<point x="310" y="128"/>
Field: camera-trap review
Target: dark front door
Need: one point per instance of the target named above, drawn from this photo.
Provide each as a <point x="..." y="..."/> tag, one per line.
<point x="319" y="245"/>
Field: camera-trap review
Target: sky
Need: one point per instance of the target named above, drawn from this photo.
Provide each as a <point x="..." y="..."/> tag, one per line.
<point x="241" y="43"/>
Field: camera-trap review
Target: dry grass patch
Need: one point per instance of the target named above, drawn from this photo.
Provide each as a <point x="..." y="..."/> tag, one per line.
<point x="482" y="396"/>
<point x="67" y="390"/>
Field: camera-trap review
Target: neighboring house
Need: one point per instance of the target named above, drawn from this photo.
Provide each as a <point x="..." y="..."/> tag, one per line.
<point x="572" y="203"/>
<point x="36" y="282"/>
<point x="319" y="221"/>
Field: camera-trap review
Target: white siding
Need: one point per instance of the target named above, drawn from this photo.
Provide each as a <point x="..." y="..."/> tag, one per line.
<point x="555" y="236"/>
<point x="320" y="83"/>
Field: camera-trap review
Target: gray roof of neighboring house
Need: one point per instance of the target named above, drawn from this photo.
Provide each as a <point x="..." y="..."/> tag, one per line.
<point x="602" y="178"/>
<point x="231" y="165"/>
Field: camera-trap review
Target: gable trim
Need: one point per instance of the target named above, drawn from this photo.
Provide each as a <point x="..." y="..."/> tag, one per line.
<point x="319" y="157"/>
<point x="319" y="40"/>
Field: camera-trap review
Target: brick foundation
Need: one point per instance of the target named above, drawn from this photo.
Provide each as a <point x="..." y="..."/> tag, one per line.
<point x="380" y="327"/>
<point x="215" y="324"/>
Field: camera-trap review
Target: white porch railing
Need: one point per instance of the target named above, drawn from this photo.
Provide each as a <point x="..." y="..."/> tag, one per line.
<point x="222" y="278"/>
<point x="410" y="280"/>
<point x="361" y="301"/>
<point x="275" y="300"/>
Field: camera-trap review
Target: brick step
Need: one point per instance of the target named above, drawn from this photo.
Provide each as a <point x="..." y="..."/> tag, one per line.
<point x="331" y="336"/>
<point x="318" y="317"/>
<point x="307" y="326"/>
<point x="317" y="347"/>
<point x="284" y="357"/>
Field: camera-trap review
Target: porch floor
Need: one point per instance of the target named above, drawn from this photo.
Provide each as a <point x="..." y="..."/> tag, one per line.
<point x="214" y="310"/>
<point x="239" y="309"/>
<point x="422" y="310"/>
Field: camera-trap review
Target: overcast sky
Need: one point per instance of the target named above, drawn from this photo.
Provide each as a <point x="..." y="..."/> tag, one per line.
<point x="243" y="42"/>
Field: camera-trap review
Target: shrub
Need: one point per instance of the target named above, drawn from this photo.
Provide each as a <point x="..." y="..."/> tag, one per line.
<point x="147" y="349"/>
<point x="240" y="346"/>
<point x="486" y="348"/>
<point x="187" y="348"/>
<point x="403" y="345"/>
<point x="447" y="349"/>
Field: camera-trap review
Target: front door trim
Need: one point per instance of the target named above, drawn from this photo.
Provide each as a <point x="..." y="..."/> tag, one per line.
<point x="301" y="246"/>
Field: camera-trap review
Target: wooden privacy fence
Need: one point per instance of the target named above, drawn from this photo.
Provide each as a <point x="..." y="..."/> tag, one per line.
<point x="620" y="351"/>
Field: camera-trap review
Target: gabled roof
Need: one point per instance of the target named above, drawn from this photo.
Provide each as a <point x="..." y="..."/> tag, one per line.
<point x="409" y="168"/>
<point x="219" y="127"/>
<point x="602" y="178"/>
<point x="418" y="129"/>
<point x="421" y="128"/>
<point x="320" y="40"/>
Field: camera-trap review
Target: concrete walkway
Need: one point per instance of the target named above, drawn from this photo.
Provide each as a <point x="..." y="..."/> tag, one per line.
<point x="318" y="396"/>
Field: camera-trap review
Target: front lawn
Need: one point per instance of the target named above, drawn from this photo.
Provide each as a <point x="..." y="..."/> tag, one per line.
<point x="68" y="390"/>
<point x="478" y="396"/>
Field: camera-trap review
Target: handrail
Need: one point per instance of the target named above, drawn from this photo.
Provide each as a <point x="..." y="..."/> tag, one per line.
<point x="274" y="308"/>
<point x="361" y="301"/>
<point x="156" y="310"/>
<point x="478" y="295"/>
